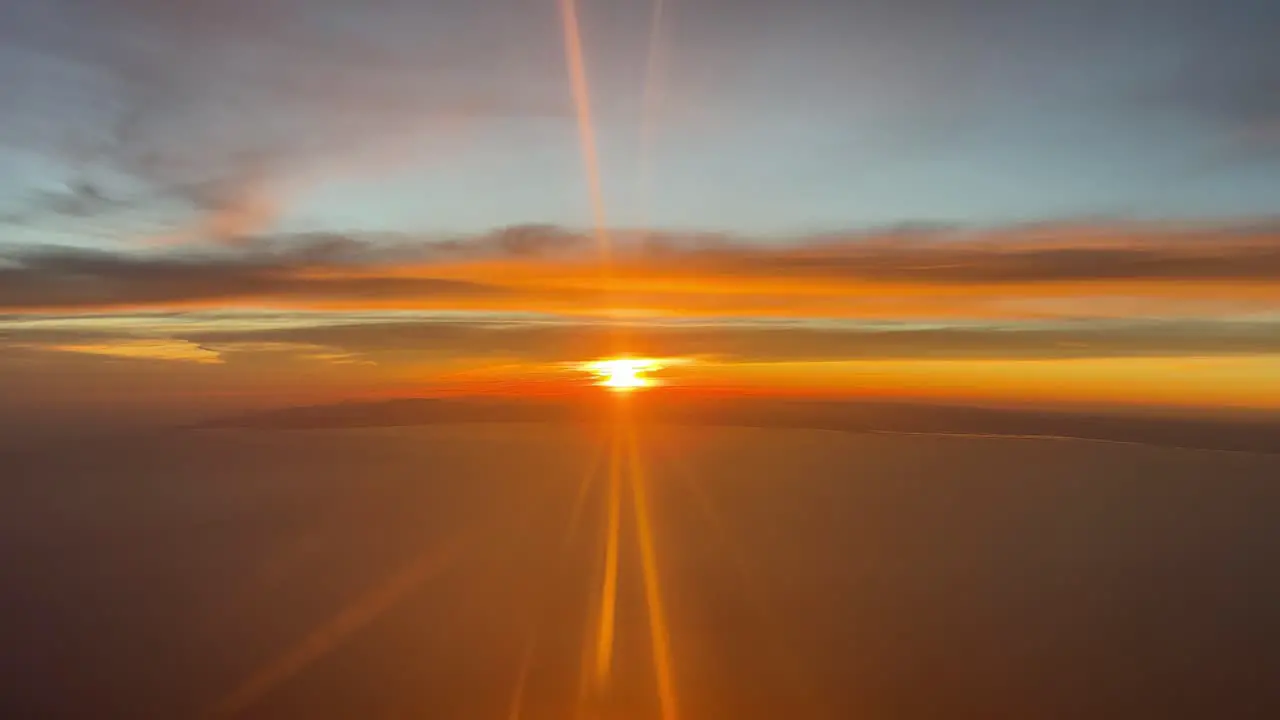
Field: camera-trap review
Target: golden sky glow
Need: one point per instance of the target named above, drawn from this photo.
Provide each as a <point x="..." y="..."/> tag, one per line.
<point x="1140" y="315"/>
<point x="628" y="183"/>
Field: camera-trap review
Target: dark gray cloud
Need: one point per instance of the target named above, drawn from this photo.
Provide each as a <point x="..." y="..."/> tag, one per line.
<point x="544" y="341"/>
<point x="960" y="264"/>
<point x="74" y="208"/>
<point x="928" y="254"/>
<point x="746" y="342"/>
<point x="1082" y="260"/>
<point x="52" y="278"/>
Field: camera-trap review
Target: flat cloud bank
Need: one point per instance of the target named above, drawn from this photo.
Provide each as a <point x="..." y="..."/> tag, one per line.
<point x="1234" y="435"/>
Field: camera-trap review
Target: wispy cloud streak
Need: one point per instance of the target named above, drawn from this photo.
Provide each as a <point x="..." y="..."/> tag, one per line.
<point x="1124" y="270"/>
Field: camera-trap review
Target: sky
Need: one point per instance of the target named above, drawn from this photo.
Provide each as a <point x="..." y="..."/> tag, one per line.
<point x="219" y="202"/>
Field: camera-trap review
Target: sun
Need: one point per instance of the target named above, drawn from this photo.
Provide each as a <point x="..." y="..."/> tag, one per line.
<point x="623" y="374"/>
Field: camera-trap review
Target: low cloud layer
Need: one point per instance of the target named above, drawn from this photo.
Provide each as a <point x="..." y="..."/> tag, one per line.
<point x="336" y="337"/>
<point x="768" y="342"/>
<point x="83" y="279"/>
<point x="1035" y="271"/>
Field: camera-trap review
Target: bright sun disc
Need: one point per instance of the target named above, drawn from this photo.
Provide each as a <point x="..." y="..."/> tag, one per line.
<point x="623" y="374"/>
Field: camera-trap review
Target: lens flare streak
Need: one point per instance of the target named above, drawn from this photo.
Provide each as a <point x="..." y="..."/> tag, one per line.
<point x="329" y="636"/>
<point x="628" y="477"/>
<point x="586" y="127"/>
<point x="650" y="105"/>
<point x="609" y="581"/>
<point x="515" y="710"/>
<point x="620" y="375"/>
<point x="659" y="635"/>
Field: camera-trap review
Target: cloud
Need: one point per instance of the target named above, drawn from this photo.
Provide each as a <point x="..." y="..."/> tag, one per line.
<point x="206" y="115"/>
<point x="291" y="350"/>
<point x="77" y="199"/>
<point x="174" y="350"/>
<point x="78" y="278"/>
<point x="1034" y="271"/>
<point x="1005" y="259"/>
<point x="778" y="342"/>
<point x="337" y="337"/>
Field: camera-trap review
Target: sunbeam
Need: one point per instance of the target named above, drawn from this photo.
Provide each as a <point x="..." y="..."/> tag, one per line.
<point x="650" y="106"/>
<point x="324" y="639"/>
<point x="515" y="709"/>
<point x="659" y="635"/>
<point x="576" y="62"/>
<point x="753" y="592"/>
<point x="609" y="582"/>
<point x="706" y="506"/>
<point x="365" y="609"/>
<point x="580" y="497"/>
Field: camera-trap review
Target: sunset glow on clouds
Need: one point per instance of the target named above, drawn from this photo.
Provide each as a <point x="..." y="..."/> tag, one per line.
<point x="1130" y="313"/>
<point x="332" y="198"/>
<point x="1022" y="273"/>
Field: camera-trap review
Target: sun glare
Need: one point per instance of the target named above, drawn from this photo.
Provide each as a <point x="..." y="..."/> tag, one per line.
<point x="623" y="374"/>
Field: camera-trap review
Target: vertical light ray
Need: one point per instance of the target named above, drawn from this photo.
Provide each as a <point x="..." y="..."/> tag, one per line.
<point x="796" y="671"/>
<point x="580" y="499"/>
<point x="586" y="128"/>
<point x="650" y="106"/>
<point x="585" y="669"/>
<point x="609" y="582"/>
<point x="707" y="507"/>
<point x="659" y="635"/>
<point x="516" y="708"/>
